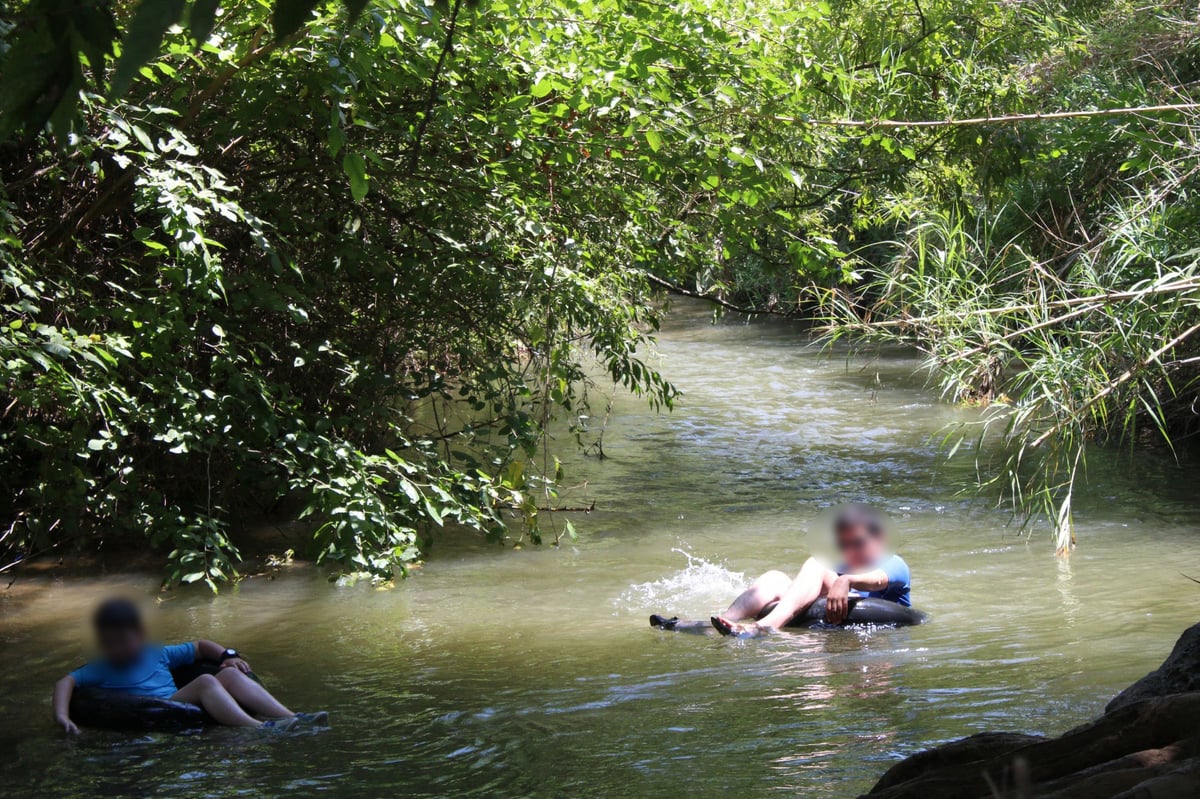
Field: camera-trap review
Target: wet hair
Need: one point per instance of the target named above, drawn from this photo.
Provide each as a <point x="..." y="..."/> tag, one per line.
<point x="117" y="614"/>
<point x="858" y="517"/>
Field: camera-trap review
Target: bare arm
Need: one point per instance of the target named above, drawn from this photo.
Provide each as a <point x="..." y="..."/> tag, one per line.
<point x="208" y="650"/>
<point x="62" y="704"/>
<point x="211" y="650"/>
<point x="874" y="580"/>
<point x="837" y="601"/>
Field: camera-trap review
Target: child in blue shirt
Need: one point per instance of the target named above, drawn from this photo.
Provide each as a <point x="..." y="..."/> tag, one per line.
<point x="867" y="569"/>
<point x="129" y="664"/>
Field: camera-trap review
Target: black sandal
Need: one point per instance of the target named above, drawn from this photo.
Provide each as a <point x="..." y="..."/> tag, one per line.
<point x="663" y="623"/>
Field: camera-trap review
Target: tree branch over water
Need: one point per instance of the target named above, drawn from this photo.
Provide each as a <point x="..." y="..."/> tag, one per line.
<point x="716" y="299"/>
<point x="1006" y="119"/>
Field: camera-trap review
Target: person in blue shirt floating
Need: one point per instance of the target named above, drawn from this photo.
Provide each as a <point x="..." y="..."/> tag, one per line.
<point x="129" y="664"/>
<point x="867" y="569"/>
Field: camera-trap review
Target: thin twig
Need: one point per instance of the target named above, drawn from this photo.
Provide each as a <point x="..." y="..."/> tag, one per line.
<point x="674" y="288"/>
<point x="431" y="98"/>
<point x="1116" y="296"/>
<point x="1006" y="119"/>
<point x="255" y="54"/>
<point x="1051" y="322"/>
<point x="1124" y="378"/>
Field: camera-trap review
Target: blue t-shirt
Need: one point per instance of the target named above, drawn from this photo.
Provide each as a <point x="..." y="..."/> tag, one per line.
<point x="899" y="581"/>
<point x="149" y="675"/>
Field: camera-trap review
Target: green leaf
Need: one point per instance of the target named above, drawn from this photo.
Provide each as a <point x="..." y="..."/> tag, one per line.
<point x="410" y="491"/>
<point x="542" y="88"/>
<point x="433" y="512"/>
<point x="142" y="137"/>
<point x="337" y="138"/>
<point x="290" y="15"/>
<point x="143" y="38"/>
<point x="654" y="140"/>
<point x="355" y="167"/>
<point x="202" y="18"/>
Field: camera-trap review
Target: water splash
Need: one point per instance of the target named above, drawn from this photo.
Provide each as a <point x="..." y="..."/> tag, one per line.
<point x="697" y="589"/>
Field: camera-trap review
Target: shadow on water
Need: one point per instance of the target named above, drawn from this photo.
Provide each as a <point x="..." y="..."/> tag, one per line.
<point x="533" y="672"/>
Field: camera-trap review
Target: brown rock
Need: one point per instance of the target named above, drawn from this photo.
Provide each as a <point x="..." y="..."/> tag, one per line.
<point x="1178" y="674"/>
<point x="1145" y="746"/>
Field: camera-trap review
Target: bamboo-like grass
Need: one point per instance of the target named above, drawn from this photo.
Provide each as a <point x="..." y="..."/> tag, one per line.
<point x="1095" y="347"/>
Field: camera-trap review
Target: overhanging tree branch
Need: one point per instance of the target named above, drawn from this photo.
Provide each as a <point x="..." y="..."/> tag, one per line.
<point x="674" y="288"/>
<point x="988" y="120"/>
<point x="1121" y="380"/>
<point x="431" y="98"/>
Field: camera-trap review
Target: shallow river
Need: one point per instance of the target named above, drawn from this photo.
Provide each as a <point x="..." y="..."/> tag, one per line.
<point x="533" y="672"/>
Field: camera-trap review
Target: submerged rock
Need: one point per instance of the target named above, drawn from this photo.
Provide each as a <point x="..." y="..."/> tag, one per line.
<point x="1145" y="746"/>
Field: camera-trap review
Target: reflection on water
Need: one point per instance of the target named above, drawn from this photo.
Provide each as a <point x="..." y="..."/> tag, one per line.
<point x="533" y="673"/>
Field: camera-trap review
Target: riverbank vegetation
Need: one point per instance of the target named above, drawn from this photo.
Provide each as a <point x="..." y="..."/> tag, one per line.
<point x="348" y="263"/>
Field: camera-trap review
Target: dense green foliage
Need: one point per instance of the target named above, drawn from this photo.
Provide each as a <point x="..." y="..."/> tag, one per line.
<point x="350" y="265"/>
<point x="1059" y="281"/>
<point x="340" y="275"/>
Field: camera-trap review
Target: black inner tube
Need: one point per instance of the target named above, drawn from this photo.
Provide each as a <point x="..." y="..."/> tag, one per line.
<point x="117" y="710"/>
<point x="863" y="611"/>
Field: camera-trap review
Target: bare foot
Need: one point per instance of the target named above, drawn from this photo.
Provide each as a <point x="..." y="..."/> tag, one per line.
<point x="737" y="630"/>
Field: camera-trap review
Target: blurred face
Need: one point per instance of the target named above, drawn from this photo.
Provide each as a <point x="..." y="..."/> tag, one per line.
<point x="121" y="646"/>
<point x="859" y="549"/>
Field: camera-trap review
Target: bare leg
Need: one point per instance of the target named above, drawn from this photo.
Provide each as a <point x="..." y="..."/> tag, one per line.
<point x="812" y="582"/>
<point x="252" y="696"/>
<point x="207" y="692"/>
<point x="765" y="590"/>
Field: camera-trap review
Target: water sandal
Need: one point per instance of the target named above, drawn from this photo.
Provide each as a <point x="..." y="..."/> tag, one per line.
<point x="721" y="626"/>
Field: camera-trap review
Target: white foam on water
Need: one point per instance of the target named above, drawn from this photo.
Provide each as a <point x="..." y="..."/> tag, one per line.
<point x="697" y="589"/>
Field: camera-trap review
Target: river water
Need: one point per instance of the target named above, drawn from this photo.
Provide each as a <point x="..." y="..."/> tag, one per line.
<point x="495" y="672"/>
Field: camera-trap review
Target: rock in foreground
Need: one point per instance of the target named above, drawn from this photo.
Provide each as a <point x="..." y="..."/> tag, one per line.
<point x="1179" y="673"/>
<point x="1145" y="746"/>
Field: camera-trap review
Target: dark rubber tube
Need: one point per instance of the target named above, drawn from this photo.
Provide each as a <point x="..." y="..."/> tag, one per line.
<point x="863" y="611"/>
<point x="117" y="710"/>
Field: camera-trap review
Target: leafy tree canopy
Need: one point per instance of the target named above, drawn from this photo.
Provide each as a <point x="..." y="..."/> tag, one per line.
<point x="349" y="262"/>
